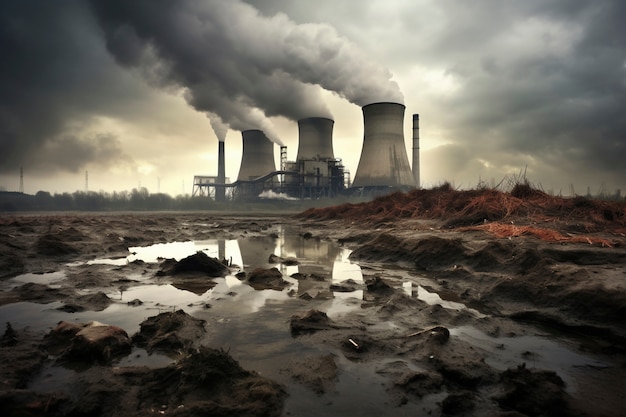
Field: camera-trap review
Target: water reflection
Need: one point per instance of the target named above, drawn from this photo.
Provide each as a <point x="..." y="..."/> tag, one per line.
<point x="321" y="263"/>
<point x="51" y="279"/>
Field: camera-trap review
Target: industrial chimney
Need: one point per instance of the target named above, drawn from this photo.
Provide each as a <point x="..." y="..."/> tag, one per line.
<point x="220" y="191"/>
<point x="258" y="155"/>
<point x="315" y="138"/>
<point x="416" y="149"/>
<point x="384" y="161"/>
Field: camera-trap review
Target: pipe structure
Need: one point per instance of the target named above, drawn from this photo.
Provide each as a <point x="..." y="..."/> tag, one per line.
<point x="258" y="155"/>
<point x="315" y="138"/>
<point x="416" y="150"/>
<point x="384" y="161"/>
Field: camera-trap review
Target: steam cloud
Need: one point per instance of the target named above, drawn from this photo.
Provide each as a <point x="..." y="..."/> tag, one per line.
<point x="237" y="64"/>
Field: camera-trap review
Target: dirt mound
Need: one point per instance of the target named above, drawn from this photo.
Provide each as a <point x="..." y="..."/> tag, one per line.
<point x="210" y="382"/>
<point x="198" y="262"/>
<point x="310" y="322"/>
<point x="95" y="302"/>
<point x="267" y="279"/>
<point x="533" y="392"/>
<point x="169" y="332"/>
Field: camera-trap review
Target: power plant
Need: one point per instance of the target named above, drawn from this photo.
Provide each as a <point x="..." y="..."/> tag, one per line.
<point x="316" y="173"/>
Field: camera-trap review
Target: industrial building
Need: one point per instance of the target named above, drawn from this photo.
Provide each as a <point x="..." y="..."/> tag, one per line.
<point x="316" y="173"/>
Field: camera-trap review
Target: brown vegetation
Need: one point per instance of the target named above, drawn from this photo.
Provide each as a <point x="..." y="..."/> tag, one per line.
<point x="522" y="211"/>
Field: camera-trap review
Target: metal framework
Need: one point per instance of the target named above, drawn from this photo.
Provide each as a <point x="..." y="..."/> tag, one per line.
<point x="313" y="185"/>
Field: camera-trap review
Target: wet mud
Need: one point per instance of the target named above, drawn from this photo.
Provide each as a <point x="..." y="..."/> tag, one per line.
<point x="438" y="325"/>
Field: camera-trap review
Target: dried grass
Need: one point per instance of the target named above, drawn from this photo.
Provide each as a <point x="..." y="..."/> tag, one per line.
<point x="536" y="212"/>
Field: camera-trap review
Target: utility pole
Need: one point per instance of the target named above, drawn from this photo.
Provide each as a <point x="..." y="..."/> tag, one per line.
<point x="86" y="181"/>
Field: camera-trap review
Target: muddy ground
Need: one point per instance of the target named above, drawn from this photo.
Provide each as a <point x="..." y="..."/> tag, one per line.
<point x="510" y="287"/>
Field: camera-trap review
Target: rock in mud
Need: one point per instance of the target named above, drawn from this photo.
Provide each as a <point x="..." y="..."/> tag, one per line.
<point x="170" y="332"/>
<point x="91" y="342"/>
<point x="267" y="279"/>
<point x="310" y="322"/>
<point x="100" y="342"/>
<point x="198" y="262"/>
<point x="60" y="338"/>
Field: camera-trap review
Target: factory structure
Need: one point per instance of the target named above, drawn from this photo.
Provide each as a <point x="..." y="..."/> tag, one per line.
<point x="317" y="173"/>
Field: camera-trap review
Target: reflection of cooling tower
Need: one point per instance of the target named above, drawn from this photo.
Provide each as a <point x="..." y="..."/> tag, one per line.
<point x="316" y="138"/>
<point x="384" y="160"/>
<point x="258" y="155"/>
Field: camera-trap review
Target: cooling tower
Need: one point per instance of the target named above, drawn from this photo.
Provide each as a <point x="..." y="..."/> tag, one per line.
<point x="384" y="160"/>
<point x="258" y="155"/>
<point x="315" y="138"/>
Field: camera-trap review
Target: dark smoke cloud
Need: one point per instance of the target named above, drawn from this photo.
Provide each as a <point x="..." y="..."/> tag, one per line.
<point x="238" y="64"/>
<point x="55" y="76"/>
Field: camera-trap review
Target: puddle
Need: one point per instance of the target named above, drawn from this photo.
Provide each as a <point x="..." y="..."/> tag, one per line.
<point x="51" y="279"/>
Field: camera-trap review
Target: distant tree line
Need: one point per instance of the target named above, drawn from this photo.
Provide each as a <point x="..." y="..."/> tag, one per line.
<point x="137" y="199"/>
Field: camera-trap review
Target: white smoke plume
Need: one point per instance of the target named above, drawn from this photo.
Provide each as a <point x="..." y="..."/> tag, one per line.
<point x="238" y="64"/>
<point x="218" y="126"/>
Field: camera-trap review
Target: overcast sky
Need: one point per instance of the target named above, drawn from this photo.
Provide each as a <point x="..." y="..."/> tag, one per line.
<point x="136" y="92"/>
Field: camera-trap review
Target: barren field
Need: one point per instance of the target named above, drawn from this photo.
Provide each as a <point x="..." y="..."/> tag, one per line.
<point x="354" y="310"/>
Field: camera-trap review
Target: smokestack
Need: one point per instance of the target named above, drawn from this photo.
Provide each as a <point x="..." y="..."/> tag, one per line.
<point x="315" y="138"/>
<point x="220" y="192"/>
<point x="384" y="161"/>
<point x="416" y="150"/>
<point x="258" y="155"/>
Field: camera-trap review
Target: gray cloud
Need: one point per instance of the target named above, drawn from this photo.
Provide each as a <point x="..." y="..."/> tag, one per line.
<point x="55" y="76"/>
<point x="239" y="64"/>
<point x="559" y="102"/>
